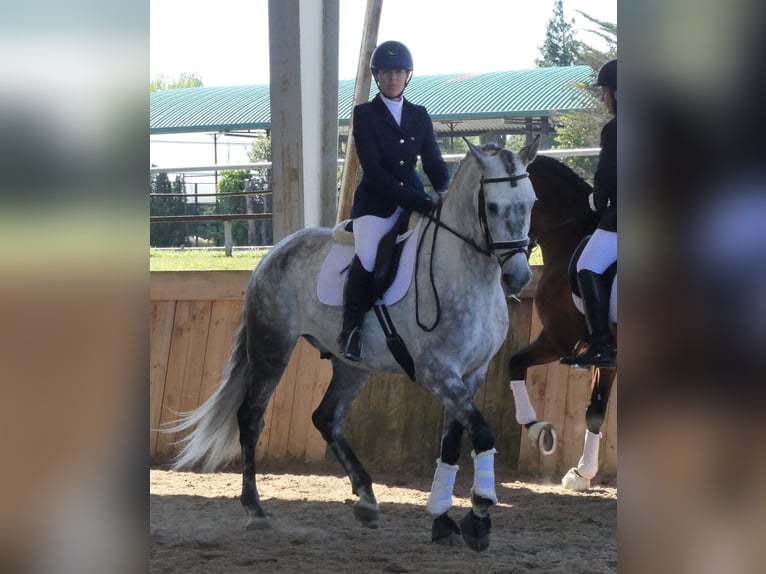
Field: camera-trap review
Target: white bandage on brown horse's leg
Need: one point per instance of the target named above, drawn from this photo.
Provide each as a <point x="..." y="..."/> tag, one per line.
<point x="588" y="465"/>
<point x="525" y="412"/>
<point x="440" y="499"/>
<point x="484" y="474"/>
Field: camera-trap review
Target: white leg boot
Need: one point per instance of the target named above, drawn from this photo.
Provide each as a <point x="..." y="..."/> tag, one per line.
<point x="579" y="478"/>
<point x="440" y="498"/>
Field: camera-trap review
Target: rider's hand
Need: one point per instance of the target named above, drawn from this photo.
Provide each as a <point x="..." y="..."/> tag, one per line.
<point x="439" y="197"/>
<point x="425" y="205"/>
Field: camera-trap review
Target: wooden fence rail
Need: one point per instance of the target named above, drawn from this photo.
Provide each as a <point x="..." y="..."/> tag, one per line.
<point x="393" y="423"/>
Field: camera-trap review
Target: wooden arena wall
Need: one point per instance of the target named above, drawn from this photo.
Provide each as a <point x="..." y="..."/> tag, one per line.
<point x="392" y="424"/>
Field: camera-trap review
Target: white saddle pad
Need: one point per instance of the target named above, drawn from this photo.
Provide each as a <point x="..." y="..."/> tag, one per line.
<point x="332" y="276"/>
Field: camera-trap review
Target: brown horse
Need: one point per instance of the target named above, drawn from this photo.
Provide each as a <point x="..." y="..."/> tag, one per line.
<point x="561" y="218"/>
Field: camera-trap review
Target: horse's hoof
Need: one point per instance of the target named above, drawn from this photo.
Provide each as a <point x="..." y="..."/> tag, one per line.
<point x="450" y="539"/>
<point x="543" y="436"/>
<point x="573" y="480"/>
<point x="445" y="531"/>
<point x="475" y="531"/>
<point x="258" y="523"/>
<point x="366" y="513"/>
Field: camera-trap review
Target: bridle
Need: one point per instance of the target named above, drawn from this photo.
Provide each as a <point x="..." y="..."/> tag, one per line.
<point x="511" y="247"/>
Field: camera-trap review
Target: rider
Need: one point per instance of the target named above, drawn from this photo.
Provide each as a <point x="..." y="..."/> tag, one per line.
<point x="601" y="250"/>
<point x="390" y="133"/>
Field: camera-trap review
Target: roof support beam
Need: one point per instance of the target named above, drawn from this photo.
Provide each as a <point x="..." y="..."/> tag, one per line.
<point x="362" y="84"/>
<point x="303" y="57"/>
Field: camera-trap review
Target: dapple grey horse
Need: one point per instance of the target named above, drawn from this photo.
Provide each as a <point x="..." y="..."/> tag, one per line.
<point x="470" y="247"/>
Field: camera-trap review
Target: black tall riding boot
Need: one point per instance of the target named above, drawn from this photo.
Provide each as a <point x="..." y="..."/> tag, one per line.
<point x="356" y="302"/>
<point x="601" y="351"/>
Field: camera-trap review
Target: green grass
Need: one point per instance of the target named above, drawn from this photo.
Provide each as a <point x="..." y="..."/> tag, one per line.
<point x="202" y="260"/>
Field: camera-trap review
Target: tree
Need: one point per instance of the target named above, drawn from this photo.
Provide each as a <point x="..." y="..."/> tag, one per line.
<point x="560" y="47"/>
<point x="580" y="130"/>
<point x="162" y="82"/>
<point x="167" y="234"/>
<point x="260" y="232"/>
<point x="233" y="181"/>
<point x="607" y="31"/>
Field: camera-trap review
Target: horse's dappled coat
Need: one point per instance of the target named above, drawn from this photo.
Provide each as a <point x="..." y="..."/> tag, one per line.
<point x="490" y="199"/>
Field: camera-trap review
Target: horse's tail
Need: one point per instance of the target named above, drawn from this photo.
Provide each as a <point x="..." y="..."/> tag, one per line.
<point x="215" y="440"/>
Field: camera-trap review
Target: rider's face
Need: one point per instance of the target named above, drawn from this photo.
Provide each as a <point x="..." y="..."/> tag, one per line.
<point x="609" y="97"/>
<point x="392" y="82"/>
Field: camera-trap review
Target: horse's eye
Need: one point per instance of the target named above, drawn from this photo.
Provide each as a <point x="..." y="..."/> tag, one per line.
<point x="492" y="208"/>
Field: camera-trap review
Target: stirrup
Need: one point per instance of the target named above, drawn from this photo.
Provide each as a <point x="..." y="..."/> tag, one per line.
<point x="351" y="344"/>
<point x="603" y="358"/>
<point x="580" y="347"/>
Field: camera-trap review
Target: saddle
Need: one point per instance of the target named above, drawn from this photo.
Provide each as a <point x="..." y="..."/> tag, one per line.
<point x="389" y="252"/>
<point x="389" y="255"/>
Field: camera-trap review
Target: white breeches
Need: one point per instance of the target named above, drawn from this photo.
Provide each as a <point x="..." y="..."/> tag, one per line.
<point x="368" y="231"/>
<point x="599" y="253"/>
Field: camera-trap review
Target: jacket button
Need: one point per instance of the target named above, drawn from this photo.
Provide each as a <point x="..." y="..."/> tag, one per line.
<point x="412" y="138"/>
<point x="401" y="162"/>
<point x="401" y="184"/>
<point x="401" y="141"/>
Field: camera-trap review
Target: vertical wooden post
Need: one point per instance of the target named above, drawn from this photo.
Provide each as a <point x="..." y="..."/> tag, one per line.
<point x="361" y="94"/>
<point x="286" y="117"/>
<point x="227" y="238"/>
<point x="303" y="57"/>
<point x="328" y="130"/>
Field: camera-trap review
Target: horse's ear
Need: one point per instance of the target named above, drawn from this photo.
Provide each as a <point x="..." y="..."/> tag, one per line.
<point x="528" y="153"/>
<point x="476" y="152"/>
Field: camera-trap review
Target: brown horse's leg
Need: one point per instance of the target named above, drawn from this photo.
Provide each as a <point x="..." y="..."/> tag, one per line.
<point x="578" y="478"/>
<point x="539" y="352"/>
<point x="599" y="398"/>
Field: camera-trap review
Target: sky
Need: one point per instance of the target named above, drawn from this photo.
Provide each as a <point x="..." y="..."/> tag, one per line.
<point x="226" y="43"/>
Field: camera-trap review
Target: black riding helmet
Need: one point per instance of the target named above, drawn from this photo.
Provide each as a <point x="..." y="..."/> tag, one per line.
<point x="607" y="76"/>
<point x="391" y="55"/>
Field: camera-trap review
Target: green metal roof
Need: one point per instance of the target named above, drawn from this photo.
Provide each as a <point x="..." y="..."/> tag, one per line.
<point x="479" y="102"/>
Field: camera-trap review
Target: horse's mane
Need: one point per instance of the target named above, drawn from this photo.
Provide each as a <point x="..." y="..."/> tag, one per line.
<point x="544" y="163"/>
<point x="562" y="196"/>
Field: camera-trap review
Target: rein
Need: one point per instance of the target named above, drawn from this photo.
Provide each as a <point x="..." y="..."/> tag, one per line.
<point x="513" y="247"/>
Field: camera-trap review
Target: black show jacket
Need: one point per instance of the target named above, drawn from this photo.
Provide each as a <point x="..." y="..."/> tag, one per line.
<point x="388" y="155"/>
